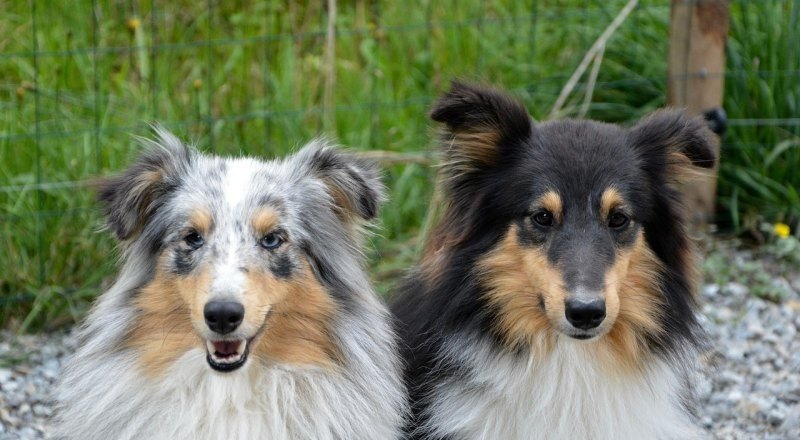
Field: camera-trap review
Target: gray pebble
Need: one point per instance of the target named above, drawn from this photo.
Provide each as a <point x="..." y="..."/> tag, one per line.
<point x="736" y="289"/>
<point x="42" y="410"/>
<point x="5" y="375"/>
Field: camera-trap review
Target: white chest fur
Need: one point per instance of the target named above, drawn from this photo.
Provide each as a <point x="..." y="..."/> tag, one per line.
<point x="565" y="395"/>
<point x="255" y="402"/>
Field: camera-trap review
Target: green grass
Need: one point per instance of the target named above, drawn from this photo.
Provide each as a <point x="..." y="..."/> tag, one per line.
<point x="759" y="175"/>
<point x="245" y="77"/>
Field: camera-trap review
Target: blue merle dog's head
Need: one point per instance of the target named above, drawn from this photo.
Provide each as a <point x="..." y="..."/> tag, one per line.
<point x="251" y="257"/>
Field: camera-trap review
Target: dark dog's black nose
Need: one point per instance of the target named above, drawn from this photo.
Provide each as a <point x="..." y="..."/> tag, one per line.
<point x="585" y="314"/>
<point x="223" y="316"/>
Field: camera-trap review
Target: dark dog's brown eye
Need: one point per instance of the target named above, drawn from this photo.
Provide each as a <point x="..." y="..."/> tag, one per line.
<point x="543" y="218"/>
<point x="194" y="240"/>
<point x="617" y="220"/>
<point x="271" y="241"/>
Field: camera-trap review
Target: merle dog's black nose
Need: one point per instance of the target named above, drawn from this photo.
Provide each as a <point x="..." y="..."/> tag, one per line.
<point x="585" y="314"/>
<point x="223" y="316"/>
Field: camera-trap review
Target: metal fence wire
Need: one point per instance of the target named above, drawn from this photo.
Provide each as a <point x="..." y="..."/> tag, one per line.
<point x="77" y="79"/>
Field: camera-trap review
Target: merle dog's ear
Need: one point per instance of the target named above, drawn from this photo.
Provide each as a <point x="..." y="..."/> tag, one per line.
<point x="130" y="199"/>
<point x="480" y="122"/>
<point x="354" y="183"/>
<point x="673" y="144"/>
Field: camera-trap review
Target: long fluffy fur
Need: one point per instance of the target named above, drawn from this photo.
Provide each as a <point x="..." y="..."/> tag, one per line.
<point x="106" y="392"/>
<point x="479" y="369"/>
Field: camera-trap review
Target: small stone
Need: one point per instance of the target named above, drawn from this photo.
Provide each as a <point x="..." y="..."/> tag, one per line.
<point x="42" y="410"/>
<point x="711" y="290"/>
<point x="775" y="417"/>
<point x="735" y="396"/>
<point x="30" y="388"/>
<point x="5" y="375"/>
<point x="736" y="289"/>
<point x="755" y="329"/>
<point x="728" y="377"/>
<point x="725" y="315"/>
<point x="50" y="369"/>
<point x="792" y="421"/>
<point x="794" y="305"/>
<point x="735" y="353"/>
<point x="28" y="433"/>
<point x="795" y="282"/>
<point x="24" y="408"/>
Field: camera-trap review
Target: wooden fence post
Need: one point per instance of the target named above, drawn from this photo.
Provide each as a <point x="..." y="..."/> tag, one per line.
<point x="698" y="31"/>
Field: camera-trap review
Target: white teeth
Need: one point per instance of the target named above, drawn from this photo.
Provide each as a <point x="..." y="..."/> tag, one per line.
<point x="229" y="359"/>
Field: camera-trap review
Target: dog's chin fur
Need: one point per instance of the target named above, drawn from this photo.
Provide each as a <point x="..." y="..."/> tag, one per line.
<point x="564" y="394"/>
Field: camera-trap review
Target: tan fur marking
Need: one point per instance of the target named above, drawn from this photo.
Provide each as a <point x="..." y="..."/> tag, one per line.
<point x="518" y="278"/>
<point x="610" y="200"/>
<point x="265" y="220"/>
<point x="163" y="330"/>
<point x="297" y="313"/>
<point x="297" y="326"/>
<point x="688" y="257"/>
<point x="634" y="277"/>
<point x="464" y="153"/>
<point x="469" y="150"/>
<point x="148" y="178"/>
<point x="201" y="220"/>
<point x="341" y="202"/>
<point x="681" y="170"/>
<point x="551" y="201"/>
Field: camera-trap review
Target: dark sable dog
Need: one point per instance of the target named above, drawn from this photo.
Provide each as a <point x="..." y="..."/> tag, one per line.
<point x="555" y="299"/>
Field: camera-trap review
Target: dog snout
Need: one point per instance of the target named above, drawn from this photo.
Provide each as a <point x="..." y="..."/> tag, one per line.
<point x="585" y="314"/>
<point x="223" y="317"/>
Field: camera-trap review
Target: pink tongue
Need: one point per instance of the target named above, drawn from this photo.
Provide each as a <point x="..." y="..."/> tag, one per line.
<point x="225" y="348"/>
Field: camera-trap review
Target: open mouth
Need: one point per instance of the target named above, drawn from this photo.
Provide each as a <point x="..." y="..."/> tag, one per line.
<point x="583" y="335"/>
<point x="226" y="356"/>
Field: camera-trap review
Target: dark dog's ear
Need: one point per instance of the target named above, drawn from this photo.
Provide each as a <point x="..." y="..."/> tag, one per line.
<point x="354" y="183"/>
<point x="131" y="198"/>
<point x="673" y="144"/>
<point x="479" y="123"/>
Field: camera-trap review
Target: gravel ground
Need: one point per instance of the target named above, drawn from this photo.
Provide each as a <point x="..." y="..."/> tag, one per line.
<point x="750" y="389"/>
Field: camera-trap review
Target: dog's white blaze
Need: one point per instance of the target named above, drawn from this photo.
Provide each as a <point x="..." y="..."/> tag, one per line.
<point x="565" y="396"/>
<point x="239" y="179"/>
<point x="229" y="280"/>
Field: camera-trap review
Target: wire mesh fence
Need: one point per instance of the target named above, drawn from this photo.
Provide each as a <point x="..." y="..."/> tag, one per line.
<point x="77" y="79"/>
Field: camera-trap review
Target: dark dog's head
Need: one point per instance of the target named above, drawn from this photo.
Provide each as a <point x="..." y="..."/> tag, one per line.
<point x="572" y="226"/>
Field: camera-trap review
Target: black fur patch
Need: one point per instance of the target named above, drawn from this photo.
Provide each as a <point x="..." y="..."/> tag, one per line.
<point x="282" y="266"/>
<point x="356" y="179"/>
<point x="577" y="159"/>
<point x="184" y="261"/>
<point x="131" y="199"/>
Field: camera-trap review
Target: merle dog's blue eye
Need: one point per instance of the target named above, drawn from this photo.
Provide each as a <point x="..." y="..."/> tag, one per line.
<point x="617" y="220"/>
<point x="194" y="240"/>
<point x="271" y="241"/>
